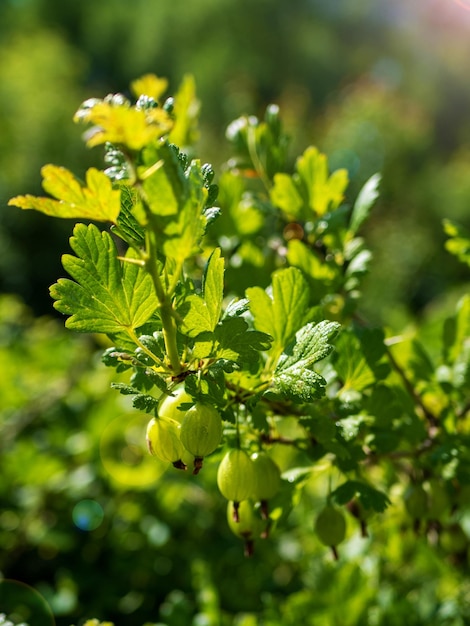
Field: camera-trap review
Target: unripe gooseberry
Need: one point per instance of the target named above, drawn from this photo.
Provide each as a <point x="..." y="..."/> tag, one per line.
<point x="236" y="478"/>
<point x="267" y="480"/>
<point x="416" y="501"/>
<point x="170" y="406"/>
<point x="163" y="441"/>
<point x="201" y="432"/>
<point x="330" y="527"/>
<point x="249" y="525"/>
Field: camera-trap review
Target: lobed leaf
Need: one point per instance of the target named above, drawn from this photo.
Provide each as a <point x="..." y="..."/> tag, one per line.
<point x="123" y="125"/>
<point x="232" y="340"/>
<point x="185" y="231"/>
<point x="282" y="314"/>
<point x="97" y="200"/>
<point x="203" y="312"/>
<point x="293" y="376"/>
<point x="108" y="296"/>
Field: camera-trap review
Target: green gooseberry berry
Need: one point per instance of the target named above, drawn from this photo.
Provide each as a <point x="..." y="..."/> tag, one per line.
<point x="201" y="432"/>
<point x="236" y="477"/>
<point x="163" y="441"/>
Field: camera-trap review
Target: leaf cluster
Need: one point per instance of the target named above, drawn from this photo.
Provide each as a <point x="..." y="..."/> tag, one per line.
<point x="262" y="322"/>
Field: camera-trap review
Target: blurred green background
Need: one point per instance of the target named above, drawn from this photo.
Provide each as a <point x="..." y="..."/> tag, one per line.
<point x="377" y="85"/>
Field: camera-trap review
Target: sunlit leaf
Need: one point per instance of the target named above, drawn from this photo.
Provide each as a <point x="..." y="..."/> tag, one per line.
<point x="109" y="296"/>
<point x="204" y="311"/>
<point x="96" y="200"/>
<point x="285" y="195"/>
<point x="364" y="202"/>
<point x="186" y="112"/>
<point x="149" y="85"/>
<point x="324" y="192"/>
<point x="293" y="376"/>
<point x="122" y="124"/>
<point x="281" y="313"/>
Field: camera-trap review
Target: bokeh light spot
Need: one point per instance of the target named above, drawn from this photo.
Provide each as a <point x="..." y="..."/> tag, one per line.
<point x="23" y="604"/>
<point x="87" y="515"/>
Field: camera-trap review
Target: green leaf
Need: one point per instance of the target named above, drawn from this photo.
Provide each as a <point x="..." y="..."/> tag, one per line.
<point x="293" y="377"/>
<point x="311" y="190"/>
<point x="203" y="313"/>
<point x="323" y="192"/>
<point x="282" y="314"/>
<point x="109" y="296"/>
<point x="351" y="365"/>
<point x="141" y="401"/>
<point x="286" y="196"/>
<point x="360" y="360"/>
<point x="321" y="274"/>
<point x="97" y="200"/>
<point x="165" y="186"/>
<point x="232" y="340"/>
<point x="186" y="112"/>
<point x="458" y="242"/>
<point x="369" y="497"/>
<point x="364" y="202"/>
<point x="127" y="227"/>
<point x="299" y="384"/>
<point x="115" y="121"/>
<point x="184" y="232"/>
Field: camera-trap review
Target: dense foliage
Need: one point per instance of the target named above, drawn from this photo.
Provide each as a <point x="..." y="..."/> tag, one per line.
<point x="243" y="289"/>
<point x="375" y="85"/>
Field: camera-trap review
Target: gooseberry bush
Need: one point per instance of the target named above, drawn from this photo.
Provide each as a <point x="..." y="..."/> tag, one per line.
<point x="233" y="307"/>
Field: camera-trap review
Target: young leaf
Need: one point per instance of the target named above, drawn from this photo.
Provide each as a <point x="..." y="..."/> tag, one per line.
<point x="108" y="296"/>
<point x="286" y="196"/>
<point x="186" y="111"/>
<point x="283" y="313"/>
<point x="324" y="192"/>
<point x="149" y="85"/>
<point x="364" y="201"/>
<point x="114" y="120"/>
<point x="141" y="401"/>
<point x="204" y="312"/>
<point x="293" y="376"/>
<point x="185" y="231"/>
<point x="97" y="200"/>
<point x="165" y="188"/>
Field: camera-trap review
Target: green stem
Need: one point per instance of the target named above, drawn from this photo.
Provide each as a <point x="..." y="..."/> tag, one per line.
<point x="166" y="306"/>
<point x="144" y="349"/>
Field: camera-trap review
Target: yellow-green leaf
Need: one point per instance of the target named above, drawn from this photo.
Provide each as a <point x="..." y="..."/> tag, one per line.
<point x="186" y="112"/>
<point x="149" y="85"/>
<point x="324" y="192"/>
<point x="124" y="125"/>
<point x="96" y="200"/>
